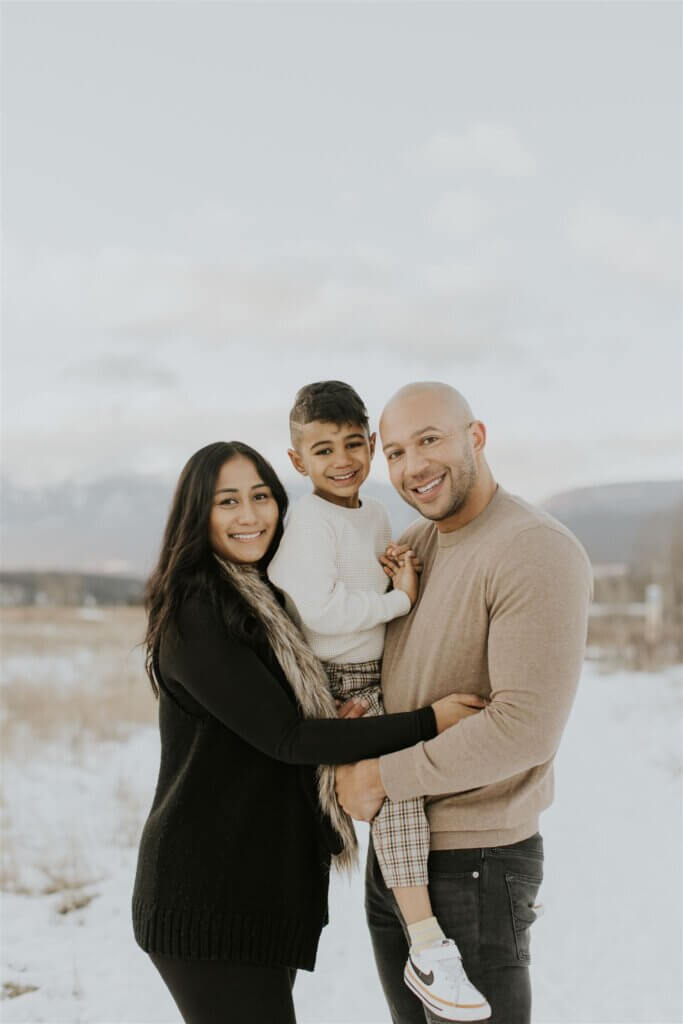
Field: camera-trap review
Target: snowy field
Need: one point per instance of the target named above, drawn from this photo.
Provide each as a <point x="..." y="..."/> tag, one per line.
<point x="80" y="756"/>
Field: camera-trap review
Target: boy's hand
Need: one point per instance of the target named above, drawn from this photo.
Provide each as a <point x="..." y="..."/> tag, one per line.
<point x="405" y="578"/>
<point x="391" y="559"/>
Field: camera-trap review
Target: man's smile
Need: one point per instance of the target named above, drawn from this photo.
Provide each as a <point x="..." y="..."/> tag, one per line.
<point x="430" y="488"/>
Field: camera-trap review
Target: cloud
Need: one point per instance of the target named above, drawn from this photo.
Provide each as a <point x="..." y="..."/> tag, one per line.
<point x="461" y="214"/>
<point x="648" y="249"/>
<point x="124" y="368"/>
<point x="493" y="148"/>
<point x="150" y="439"/>
<point x="155" y="303"/>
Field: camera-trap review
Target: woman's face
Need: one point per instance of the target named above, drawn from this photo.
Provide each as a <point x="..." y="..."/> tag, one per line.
<point x="244" y="515"/>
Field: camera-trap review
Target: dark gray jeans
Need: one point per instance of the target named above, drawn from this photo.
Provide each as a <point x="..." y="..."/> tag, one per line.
<point x="483" y="900"/>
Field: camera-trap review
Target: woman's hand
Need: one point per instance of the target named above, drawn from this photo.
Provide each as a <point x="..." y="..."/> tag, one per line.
<point x="405" y="578"/>
<point x="452" y="709"/>
<point x="354" y="708"/>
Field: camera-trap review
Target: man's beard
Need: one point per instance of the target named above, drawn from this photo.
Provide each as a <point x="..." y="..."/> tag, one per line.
<point x="462" y="485"/>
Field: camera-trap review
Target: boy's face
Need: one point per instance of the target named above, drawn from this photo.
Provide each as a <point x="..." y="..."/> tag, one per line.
<point x="336" y="458"/>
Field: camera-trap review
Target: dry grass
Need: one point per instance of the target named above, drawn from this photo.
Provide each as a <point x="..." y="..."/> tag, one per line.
<point x="60" y="865"/>
<point x="68" y="873"/>
<point x="36" y="712"/>
<point x="10" y="990"/>
<point x="75" y="901"/>
<point x="11" y="868"/>
<point x="52" y="630"/>
<point x="73" y="684"/>
<point x="109" y="691"/>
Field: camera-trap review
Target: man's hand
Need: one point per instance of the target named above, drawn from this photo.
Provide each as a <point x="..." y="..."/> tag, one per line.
<point x="359" y="789"/>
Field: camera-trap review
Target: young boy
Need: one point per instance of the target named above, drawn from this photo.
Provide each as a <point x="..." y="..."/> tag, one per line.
<point x="335" y="588"/>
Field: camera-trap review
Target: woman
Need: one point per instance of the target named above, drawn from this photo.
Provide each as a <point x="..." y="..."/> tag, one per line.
<point x="231" y="888"/>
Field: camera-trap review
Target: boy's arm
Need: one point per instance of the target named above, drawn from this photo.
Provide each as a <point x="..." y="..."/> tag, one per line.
<point x="305" y="569"/>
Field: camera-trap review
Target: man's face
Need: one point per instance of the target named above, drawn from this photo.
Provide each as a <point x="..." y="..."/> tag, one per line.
<point x="336" y="458"/>
<point x="429" y="453"/>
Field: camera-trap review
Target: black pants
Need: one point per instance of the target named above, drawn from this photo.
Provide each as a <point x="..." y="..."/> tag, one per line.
<point x="222" y="992"/>
<point x="483" y="900"/>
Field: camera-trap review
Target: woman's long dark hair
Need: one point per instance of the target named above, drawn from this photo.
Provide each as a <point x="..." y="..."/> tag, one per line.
<point x="186" y="564"/>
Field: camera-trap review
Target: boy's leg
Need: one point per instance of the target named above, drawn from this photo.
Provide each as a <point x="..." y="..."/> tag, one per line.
<point x="434" y="967"/>
<point x="414" y="903"/>
<point x="390" y="946"/>
<point x="400" y="836"/>
<point x="400" y="831"/>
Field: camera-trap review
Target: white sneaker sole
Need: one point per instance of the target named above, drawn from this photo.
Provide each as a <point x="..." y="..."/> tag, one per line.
<point x="482" y="1011"/>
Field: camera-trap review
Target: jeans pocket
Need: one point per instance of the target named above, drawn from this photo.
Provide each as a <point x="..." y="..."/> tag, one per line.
<point x="522" y="893"/>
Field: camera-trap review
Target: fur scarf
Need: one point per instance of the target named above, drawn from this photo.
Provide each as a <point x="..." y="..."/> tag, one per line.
<point x="308" y="680"/>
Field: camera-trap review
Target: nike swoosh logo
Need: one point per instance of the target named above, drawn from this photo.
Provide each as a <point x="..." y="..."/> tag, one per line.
<point x="428" y="979"/>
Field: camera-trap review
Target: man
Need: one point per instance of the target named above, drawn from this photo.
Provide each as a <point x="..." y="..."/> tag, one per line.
<point x="502" y="612"/>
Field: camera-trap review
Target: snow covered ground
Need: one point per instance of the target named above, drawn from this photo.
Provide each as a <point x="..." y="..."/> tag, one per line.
<point x="608" y="948"/>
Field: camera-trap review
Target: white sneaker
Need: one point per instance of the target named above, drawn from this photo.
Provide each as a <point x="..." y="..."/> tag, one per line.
<point x="437" y="977"/>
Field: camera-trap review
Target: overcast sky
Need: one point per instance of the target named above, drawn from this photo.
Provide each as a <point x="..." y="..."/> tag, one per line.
<point x="207" y="205"/>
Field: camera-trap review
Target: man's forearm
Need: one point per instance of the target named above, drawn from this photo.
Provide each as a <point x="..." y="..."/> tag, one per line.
<point x="479" y="751"/>
<point x="520" y="728"/>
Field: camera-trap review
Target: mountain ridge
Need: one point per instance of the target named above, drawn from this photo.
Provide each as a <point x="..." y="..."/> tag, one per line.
<point x="114" y="525"/>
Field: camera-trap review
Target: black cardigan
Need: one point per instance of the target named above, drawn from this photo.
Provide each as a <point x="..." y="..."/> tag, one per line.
<point x="233" y="861"/>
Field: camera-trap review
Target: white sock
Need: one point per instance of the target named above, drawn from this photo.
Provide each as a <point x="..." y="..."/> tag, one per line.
<point x="424" y="933"/>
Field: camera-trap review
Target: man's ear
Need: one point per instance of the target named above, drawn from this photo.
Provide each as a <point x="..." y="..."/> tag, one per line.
<point x="297" y="461"/>
<point x="479" y="434"/>
<point x="373" y="442"/>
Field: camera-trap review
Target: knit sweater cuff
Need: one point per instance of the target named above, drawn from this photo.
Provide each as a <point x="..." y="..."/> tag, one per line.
<point x="399" y="773"/>
<point x="397" y="603"/>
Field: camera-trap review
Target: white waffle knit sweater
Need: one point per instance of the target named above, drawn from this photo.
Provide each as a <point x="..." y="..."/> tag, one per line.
<point x="335" y="588"/>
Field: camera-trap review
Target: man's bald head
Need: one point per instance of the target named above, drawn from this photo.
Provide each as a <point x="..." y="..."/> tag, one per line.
<point x="434" y="449"/>
<point x="448" y="399"/>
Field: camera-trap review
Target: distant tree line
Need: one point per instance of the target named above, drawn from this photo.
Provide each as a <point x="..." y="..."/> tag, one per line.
<point x="68" y="588"/>
<point x="637" y="616"/>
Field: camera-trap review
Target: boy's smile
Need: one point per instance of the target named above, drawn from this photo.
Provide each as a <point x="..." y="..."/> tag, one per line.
<point x="337" y="459"/>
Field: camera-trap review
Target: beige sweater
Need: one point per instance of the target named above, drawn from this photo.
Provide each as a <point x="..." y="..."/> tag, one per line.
<point x="502" y="613"/>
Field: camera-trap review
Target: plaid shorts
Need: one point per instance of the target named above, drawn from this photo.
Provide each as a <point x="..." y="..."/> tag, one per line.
<point x="400" y="831"/>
